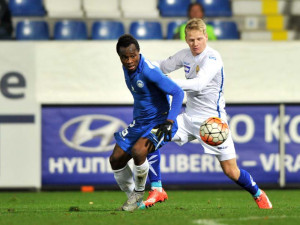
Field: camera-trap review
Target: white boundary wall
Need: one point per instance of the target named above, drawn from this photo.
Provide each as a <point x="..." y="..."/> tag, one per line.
<point x="91" y="72"/>
<point x="20" y="121"/>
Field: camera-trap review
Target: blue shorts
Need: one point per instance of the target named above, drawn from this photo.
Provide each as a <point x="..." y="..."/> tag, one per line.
<point x="127" y="138"/>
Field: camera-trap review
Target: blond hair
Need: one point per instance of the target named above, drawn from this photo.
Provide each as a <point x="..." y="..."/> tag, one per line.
<point x="195" y="24"/>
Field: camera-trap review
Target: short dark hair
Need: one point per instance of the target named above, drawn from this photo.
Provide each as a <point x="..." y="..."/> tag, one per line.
<point x="125" y="40"/>
<point x="193" y="4"/>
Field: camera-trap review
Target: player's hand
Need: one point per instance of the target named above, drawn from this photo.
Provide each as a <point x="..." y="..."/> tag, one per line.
<point x="165" y="130"/>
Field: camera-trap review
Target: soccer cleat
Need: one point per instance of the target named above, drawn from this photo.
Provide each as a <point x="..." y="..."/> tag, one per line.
<point x="134" y="200"/>
<point x="263" y="201"/>
<point x="155" y="196"/>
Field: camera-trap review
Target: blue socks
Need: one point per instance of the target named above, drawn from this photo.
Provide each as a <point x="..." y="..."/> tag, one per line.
<point x="156" y="184"/>
<point x="154" y="170"/>
<point x="246" y="181"/>
<point x="154" y="166"/>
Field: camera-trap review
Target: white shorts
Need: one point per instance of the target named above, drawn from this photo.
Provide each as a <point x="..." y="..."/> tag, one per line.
<point x="189" y="130"/>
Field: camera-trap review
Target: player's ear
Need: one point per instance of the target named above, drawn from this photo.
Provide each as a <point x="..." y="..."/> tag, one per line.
<point x="206" y="36"/>
<point x="186" y="40"/>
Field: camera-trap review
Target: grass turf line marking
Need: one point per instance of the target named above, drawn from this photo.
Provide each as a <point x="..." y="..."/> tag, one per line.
<point x="215" y="221"/>
<point x="208" y="222"/>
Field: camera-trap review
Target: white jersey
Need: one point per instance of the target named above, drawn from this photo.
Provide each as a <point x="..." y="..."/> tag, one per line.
<point x="204" y="82"/>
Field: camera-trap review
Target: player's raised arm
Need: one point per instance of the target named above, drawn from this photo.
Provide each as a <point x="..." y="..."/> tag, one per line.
<point x="207" y="72"/>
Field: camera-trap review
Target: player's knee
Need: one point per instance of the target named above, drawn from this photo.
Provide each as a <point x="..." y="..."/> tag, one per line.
<point x="139" y="155"/>
<point x="113" y="162"/>
<point x="116" y="163"/>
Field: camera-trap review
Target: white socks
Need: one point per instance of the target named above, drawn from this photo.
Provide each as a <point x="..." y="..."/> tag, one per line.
<point x="124" y="179"/>
<point x="140" y="175"/>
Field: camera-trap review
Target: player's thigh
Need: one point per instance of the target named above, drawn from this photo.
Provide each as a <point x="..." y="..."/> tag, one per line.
<point x="224" y="151"/>
<point x="140" y="150"/>
<point x="184" y="133"/>
<point x="129" y="136"/>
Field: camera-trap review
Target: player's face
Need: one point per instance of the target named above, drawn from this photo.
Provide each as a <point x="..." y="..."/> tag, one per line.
<point x="196" y="41"/>
<point x="196" y="12"/>
<point x="130" y="57"/>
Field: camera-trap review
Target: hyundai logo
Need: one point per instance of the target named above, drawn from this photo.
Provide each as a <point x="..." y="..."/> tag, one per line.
<point x="83" y="132"/>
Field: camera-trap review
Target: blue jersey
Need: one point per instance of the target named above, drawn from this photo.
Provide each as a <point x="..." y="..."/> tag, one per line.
<point x="150" y="89"/>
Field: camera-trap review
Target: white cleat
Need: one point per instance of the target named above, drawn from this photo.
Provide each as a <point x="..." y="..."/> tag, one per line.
<point x="134" y="200"/>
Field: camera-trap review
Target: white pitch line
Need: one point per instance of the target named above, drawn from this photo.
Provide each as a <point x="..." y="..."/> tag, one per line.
<point x="218" y="221"/>
<point x="249" y="163"/>
<point x="208" y="222"/>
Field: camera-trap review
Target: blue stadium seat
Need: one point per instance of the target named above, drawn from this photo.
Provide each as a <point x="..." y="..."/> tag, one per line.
<point x="175" y="8"/>
<point x="70" y="30"/>
<point x="146" y="30"/>
<point x="26" y="8"/>
<point x="216" y="8"/>
<point x="107" y="30"/>
<point x="225" y="30"/>
<point x="32" y="30"/>
<point x="171" y="28"/>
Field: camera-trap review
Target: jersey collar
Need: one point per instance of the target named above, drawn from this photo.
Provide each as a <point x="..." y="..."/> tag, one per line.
<point x="202" y="53"/>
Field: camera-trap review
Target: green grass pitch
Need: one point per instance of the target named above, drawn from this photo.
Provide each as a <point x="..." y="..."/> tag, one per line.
<point x="215" y="207"/>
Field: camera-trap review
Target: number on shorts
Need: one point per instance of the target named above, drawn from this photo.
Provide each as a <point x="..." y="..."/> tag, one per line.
<point x="125" y="131"/>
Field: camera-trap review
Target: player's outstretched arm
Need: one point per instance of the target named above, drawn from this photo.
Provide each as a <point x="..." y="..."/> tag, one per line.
<point x="205" y="75"/>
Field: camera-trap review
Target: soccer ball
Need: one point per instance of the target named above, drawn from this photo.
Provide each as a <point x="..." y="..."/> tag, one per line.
<point x="214" y="131"/>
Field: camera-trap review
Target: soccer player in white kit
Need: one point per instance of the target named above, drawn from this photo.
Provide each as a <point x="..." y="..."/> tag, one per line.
<point x="204" y="86"/>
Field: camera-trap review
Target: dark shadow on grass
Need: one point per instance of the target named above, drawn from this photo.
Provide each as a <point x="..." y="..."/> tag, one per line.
<point x="18" y="211"/>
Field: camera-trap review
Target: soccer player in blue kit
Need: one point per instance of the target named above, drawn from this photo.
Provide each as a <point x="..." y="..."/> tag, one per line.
<point x="150" y="89"/>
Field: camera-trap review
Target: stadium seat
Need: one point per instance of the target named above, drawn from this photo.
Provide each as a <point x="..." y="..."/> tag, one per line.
<point x="139" y="9"/>
<point x="64" y="8"/>
<point x="295" y="8"/>
<point x="258" y="7"/>
<point x="216" y="8"/>
<point x="225" y="30"/>
<point x="173" y="8"/>
<point x="102" y="9"/>
<point x="146" y="30"/>
<point x="32" y="30"/>
<point x="171" y="28"/>
<point x="70" y="30"/>
<point x="107" y="30"/>
<point x="26" y="8"/>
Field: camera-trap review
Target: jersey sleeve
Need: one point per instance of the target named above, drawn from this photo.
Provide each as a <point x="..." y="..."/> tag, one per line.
<point x="172" y="63"/>
<point x="169" y="87"/>
<point x="207" y="72"/>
